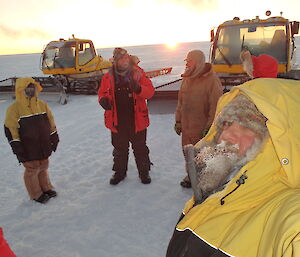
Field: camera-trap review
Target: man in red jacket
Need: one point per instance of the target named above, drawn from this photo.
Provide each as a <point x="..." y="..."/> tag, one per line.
<point x="122" y="94"/>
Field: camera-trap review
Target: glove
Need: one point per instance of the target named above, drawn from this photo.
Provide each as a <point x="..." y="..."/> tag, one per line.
<point x="105" y="103"/>
<point x="177" y="128"/>
<point x="136" y="76"/>
<point x="18" y="150"/>
<point x="54" y="141"/>
<point x="136" y="88"/>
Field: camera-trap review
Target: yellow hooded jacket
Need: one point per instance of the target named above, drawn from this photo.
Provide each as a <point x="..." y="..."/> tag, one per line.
<point x="261" y="218"/>
<point x="30" y="121"/>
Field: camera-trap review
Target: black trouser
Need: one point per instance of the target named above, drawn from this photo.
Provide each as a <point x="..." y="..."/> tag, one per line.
<point x="120" y="142"/>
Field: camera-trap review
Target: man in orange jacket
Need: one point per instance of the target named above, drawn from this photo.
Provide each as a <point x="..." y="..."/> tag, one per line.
<point x="122" y="94"/>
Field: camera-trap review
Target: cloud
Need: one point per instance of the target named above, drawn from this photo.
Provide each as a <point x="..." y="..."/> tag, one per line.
<point x="9" y="32"/>
<point x="24" y="33"/>
<point x="198" y="5"/>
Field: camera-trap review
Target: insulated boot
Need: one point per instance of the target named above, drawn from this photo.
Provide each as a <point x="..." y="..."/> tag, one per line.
<point x="51" y="193"/>
<point x="43" y="198"/>
<point x="117" y="177"/>
<point x="144" y="176"/>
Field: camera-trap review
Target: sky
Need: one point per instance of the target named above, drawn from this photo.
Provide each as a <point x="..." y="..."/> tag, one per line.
<point x="26" y="26"/>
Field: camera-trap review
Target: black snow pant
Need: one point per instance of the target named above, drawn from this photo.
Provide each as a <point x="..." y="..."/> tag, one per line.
<point x="120" y="142"/>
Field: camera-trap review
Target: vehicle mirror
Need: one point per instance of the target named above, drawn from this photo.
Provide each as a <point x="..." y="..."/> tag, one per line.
<point x="252" y="29"/>
<point x="295" y="27"/>
<point x="212" y="35"/>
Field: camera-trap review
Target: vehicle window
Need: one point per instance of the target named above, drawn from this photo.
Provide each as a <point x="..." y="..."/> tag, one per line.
<point x="86" y="53"/>
<point x="268" y="39"/>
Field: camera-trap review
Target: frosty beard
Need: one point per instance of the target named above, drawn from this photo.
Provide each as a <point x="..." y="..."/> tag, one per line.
<point x="216" y="164"/>
<point x="188" y="71"/>
<point x="248" y="67"/>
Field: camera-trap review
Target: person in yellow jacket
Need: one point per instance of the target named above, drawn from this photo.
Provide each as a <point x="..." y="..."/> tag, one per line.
<point x="245" y="176"/>
<point x="31" y="132"/>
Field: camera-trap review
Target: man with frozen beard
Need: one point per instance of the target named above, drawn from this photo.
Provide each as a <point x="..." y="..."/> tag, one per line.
<point x="197" y="101"/>
<point x="242" y="133"/>
<point x="245" y="176"/>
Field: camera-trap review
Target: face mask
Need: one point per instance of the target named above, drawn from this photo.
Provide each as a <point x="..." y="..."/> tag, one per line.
<point x="30" y="91"/>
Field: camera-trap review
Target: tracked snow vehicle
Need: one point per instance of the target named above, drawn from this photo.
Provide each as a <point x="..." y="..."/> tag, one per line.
<point x="273" y="36"/>
<point x="75" y="63"/>
<point x="73" y="66"/>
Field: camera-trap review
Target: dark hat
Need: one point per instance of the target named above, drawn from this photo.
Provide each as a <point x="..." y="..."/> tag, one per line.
<point x="119" y="53"/>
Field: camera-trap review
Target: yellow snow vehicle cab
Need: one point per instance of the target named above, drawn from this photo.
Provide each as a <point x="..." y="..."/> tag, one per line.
<point x="273" y="36"/>
<point x="75" y="63"/>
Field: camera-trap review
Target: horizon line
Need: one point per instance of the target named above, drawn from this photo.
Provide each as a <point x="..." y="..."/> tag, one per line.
<point x="124" y="46"/>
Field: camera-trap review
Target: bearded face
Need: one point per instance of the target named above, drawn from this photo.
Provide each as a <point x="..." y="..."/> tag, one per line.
<point x="123" y="63"/>
<point x="217" y="162"/>
<point x="245" y="57"/>
<point x="189" y="68"/>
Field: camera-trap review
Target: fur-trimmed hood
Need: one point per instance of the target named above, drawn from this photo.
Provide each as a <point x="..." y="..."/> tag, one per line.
<point x="258" y="217"/>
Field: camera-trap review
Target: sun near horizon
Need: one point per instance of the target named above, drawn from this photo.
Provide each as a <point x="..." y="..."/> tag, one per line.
<point x="122" y="22"/>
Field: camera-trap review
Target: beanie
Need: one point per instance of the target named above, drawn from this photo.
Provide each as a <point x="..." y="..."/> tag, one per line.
<point x="119" y="53"/>
<point x="242" y="111"/>
<point x="264" y="66"/>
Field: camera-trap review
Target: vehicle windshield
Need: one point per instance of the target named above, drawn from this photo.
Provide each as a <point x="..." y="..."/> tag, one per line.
<point x="257" y="38"/>
<point x="59" y="55"/>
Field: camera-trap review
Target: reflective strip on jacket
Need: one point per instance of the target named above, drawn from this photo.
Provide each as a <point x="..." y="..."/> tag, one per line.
<point x="261" y="218"/>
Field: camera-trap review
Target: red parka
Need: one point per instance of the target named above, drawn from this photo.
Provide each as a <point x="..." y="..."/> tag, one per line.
<point x="5" y="250"/>
<point x="141" y="114"/>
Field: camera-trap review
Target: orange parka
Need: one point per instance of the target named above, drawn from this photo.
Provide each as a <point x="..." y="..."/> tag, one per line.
<point x="197" y="101"/>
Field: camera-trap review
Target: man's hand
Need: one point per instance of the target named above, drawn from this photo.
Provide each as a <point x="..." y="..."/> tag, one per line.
<point x="177" y="128"/>
<point x="105" y="103"/>
<point x="18" y="150"/>
<point x="136" y="76"/>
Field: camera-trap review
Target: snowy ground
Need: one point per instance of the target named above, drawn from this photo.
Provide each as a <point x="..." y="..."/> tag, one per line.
<point x="89" y="217"/>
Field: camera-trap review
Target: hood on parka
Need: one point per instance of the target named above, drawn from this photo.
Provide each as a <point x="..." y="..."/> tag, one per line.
<point x="22" y="84"/>
<point x="279" y="101"/>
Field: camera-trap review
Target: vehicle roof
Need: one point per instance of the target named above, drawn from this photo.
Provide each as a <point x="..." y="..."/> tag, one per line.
<point x="256" y="20"/>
